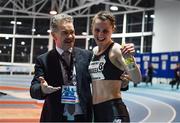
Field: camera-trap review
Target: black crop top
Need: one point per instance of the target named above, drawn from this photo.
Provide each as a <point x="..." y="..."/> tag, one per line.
<point x="101" y="67"/>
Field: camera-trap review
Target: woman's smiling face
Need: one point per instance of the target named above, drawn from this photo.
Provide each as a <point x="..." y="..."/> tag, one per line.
<point x="102" y="31"/>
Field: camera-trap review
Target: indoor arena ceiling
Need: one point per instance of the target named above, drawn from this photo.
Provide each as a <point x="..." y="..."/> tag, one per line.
<point x="79" y="8"/>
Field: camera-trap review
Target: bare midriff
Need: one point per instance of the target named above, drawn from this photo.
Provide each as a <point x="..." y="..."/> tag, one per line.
<point x="104" y="90"/>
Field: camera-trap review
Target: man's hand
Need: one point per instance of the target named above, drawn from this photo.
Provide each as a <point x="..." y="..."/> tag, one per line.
<point x="47" y="89"/>
<point x="128" y="49"/>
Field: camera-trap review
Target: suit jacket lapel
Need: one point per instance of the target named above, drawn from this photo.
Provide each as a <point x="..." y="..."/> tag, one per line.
<point x="78" y="65"/>
<point x="54" y="68"/>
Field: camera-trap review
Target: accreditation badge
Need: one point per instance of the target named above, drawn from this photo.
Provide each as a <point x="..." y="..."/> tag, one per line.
<point x="69" y="94"/>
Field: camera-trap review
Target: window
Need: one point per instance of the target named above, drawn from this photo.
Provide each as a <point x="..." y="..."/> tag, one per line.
<point x="119" y="23"/>
<point x="149" y="18"/>
<point x="117" y="40"/>
<point x="90" y="27"/>
<point x="134" y="22"/>
<point x="81" y="43"/>
<point x="40" y="47"/>
<point x="5" y="49"/>
<point x="6" y="26"/>
<point x="42" y="26"/>
<point x="24" y="26"/>
<point x="147" y="44"/>
<point x="80" y="25"/>
<point x="92" y="44"/>
<point x="22" y="50"/>
<point x="136" y="41"/>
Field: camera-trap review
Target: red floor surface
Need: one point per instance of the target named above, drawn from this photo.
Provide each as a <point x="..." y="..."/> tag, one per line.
<point x="18" y="110"/>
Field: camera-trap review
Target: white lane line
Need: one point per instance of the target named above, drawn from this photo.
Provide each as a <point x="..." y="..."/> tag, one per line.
<point x="21" y="95"/>
<point x="140" y="103"/>
<point x="16" y="84"/>
<point x="169" y="95"/>
<point x="160" y="111"/>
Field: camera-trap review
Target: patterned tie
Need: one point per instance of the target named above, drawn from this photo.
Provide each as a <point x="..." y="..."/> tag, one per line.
<point x="71" y="108"/>
<point x="66" y="55"/>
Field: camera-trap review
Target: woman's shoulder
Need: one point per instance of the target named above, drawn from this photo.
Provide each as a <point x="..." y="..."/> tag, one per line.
<point x="116" y="48"/>
<point x="116" y="45"/>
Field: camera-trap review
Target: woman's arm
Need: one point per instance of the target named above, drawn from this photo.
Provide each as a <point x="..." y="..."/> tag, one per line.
<point x="134" y="72"/>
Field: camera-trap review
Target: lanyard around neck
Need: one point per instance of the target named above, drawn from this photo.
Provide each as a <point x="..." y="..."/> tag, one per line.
<point x="69" y="69"/>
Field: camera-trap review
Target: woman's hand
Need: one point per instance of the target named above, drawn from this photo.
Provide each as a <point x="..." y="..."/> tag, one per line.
<point x="128" y="50"/>
<point x="125" y="80"/>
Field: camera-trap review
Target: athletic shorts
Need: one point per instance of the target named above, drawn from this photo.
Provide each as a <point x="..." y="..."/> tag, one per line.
<point x="111" y="111"/>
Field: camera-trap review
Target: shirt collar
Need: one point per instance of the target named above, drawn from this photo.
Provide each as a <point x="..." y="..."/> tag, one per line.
<point x="60" y="51"/>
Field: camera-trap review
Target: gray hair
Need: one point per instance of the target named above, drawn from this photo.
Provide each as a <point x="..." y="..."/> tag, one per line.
<point x="59" y="18"/>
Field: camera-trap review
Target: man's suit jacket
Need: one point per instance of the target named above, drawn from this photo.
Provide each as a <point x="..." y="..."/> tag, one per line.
<point x="48" y="66"/>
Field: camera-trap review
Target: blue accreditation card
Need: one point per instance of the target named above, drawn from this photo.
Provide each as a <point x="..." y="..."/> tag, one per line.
<point x="69" y="95"/>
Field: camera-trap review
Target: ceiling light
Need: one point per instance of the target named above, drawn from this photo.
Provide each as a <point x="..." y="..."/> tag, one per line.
<point x="22" y="43"/>
<point x="41" y="47"/>
<point x="12" y="22"/>
<point x="18" y="23"/>
<point x="53" y="12"/>
<point x="33" y="30"/>
<point x="114" y="8"/>
<point x="90" y="47"/>
<point x="152" y="16"/>
<point x="49" y="31"/>
<point x="84" y="33"/>
<point x="137" y="51"/>
<point x="7" y="37"/>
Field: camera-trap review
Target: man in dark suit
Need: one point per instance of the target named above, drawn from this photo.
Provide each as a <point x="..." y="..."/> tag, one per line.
<point x="55" y="78"/>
